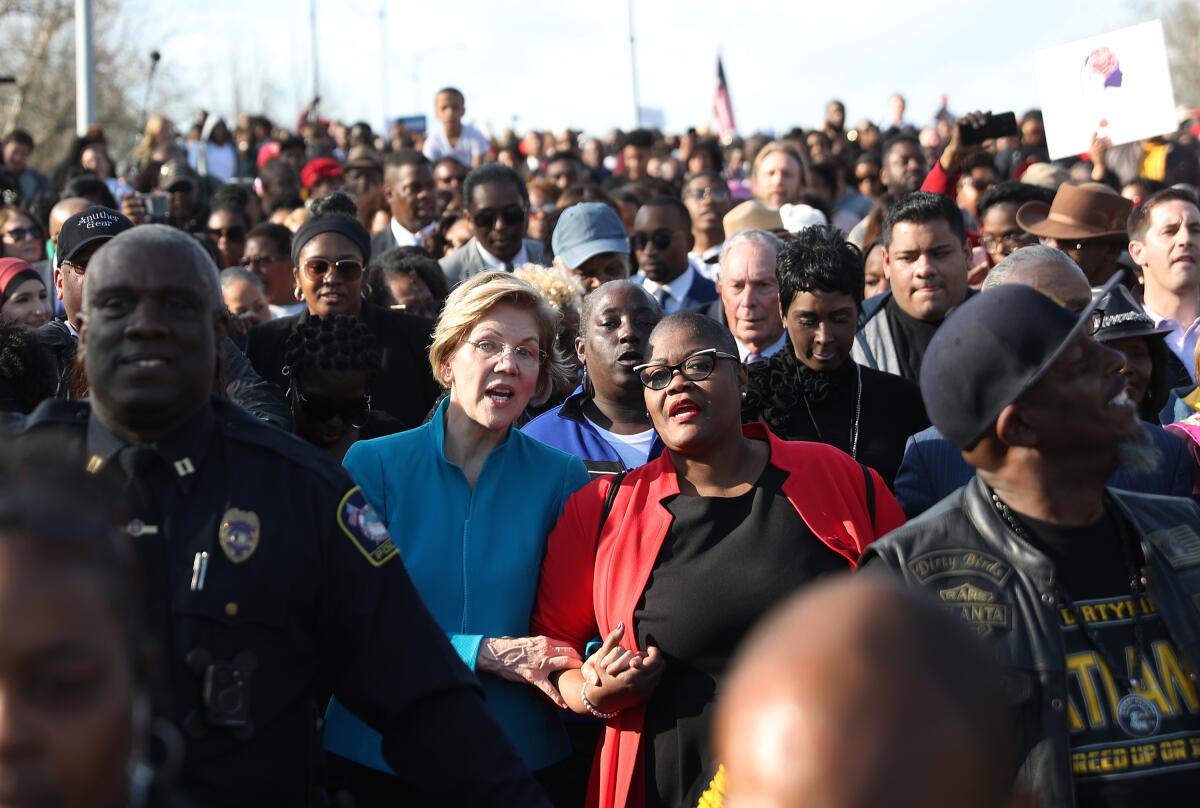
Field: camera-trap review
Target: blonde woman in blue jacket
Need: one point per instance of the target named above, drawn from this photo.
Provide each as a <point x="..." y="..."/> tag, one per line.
<point x="470" y="501"/>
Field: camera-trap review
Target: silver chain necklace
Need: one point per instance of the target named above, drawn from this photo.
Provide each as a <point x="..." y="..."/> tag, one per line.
<point x="857" y="414"/>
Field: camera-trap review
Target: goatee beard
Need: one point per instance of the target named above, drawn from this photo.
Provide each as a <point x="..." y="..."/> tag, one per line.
<point x="1138" y="453"/>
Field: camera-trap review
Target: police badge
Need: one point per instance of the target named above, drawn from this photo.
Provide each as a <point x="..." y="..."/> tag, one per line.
<point x="238" y="534"/>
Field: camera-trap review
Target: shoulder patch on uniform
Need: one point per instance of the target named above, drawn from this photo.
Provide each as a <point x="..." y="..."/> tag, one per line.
<point x="959" y="561"/>
<point x="365" y="529"/>
<point x="1179" y="544"/>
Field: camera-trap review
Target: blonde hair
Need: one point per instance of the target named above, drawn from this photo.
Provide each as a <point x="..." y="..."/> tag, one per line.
<point x="472" y="300"/>
<point x="556" y="287"/>
<point x="296" y="218"/>
<point x="154" y="129"/>
<point x="776" y="146"/>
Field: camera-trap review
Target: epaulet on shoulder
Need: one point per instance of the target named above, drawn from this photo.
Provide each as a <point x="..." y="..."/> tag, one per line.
<point x="240" y="426"/>
<point x="54" y="412"/>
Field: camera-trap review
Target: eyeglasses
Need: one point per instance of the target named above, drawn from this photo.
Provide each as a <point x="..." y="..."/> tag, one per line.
<point x="22" y="233"/>
<point x="661" y="239"/>
<point x="259" y="260"/>
<point x="697" y="367"/>
<point x="1095" y="321"/>
<point x="326" y="409"/>
<point x="538" y="211"/>
<point x="486" y="218"/>
<point x="1009" y="241"/>
<point x="235" y="233"/>
<point x="420" y="309"/>
<point x="526" y="357"/>
<point x="715" y="193"/>
<point x="78" y="267"/>
<point x="348" y="268"/>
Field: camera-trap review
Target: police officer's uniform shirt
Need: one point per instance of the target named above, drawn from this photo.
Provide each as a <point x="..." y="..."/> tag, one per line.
<point x="270" y="584"/>
<point x="1124" y="751"/>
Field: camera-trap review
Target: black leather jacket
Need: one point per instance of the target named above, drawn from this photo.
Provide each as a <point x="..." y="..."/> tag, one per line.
<point x="963" y="553"/>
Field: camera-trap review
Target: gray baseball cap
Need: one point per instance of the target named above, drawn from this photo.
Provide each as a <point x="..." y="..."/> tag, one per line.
<point x="588" y="229"/>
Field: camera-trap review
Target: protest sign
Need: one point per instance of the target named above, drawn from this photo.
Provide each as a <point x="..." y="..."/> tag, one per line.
<point x="1115" y="85"/>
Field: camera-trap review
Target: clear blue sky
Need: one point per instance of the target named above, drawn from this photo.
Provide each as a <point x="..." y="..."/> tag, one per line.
<point x="552" y="63"/>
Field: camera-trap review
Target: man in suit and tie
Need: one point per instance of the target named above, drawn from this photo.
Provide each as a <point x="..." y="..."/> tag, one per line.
<point x="662" y="239"/>
<point x="497" y="205"/>
<point x="411" y="195"/>
<point x="749" y="290"/>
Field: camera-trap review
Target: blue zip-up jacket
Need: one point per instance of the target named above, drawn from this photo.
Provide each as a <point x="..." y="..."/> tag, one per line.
<point x="474" y="555"/>
<point x="565" y="428"/>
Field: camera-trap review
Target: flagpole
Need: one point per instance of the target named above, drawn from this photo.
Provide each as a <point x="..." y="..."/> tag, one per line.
<point x="637" y="106"/>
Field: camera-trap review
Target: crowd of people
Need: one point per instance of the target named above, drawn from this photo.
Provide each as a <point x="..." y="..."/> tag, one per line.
<point x="854" y="466"/>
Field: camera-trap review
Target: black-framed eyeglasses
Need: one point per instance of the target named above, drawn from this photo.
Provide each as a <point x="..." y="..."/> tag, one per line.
<point x="348" y="268"/>
<point x="22" y="233"/>
<point x="661" y="239"/>
<point x="715" y="193"/>
<point x="510" y="215"/>
<point x="696" y="368"/>
<point x="1095" y="321"/>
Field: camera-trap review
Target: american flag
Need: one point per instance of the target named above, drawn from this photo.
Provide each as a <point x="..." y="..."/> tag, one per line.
<point x="723" y="105"/>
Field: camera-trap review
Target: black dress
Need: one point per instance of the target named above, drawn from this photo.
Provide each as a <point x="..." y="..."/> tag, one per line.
<point x="782" y="391"/>
<point x="403" y="388"/>
<point x="725" y="562"/>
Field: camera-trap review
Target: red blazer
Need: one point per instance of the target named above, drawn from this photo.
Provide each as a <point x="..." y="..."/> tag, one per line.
<point x="824" y="484"/>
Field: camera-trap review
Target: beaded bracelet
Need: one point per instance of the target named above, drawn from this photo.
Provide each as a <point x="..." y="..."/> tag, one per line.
<point x="591" y="708"/>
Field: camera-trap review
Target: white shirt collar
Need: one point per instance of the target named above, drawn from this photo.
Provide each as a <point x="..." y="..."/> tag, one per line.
<point x="770" y="350"/>
<point x="71" y="328"/>
<point x="406" y="238"/>
<point x="492" y="262"/>
<point x="677" y="289"/>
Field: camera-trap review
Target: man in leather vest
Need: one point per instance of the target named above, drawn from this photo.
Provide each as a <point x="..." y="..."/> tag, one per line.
<point x="1088" y="596"/>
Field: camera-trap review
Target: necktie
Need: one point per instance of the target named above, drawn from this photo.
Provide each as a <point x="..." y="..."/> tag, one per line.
<point x="753" y="357"/>
<point x="139" y="465"/>
<point x="508" y="267"/>
<point x="662" y="296"/>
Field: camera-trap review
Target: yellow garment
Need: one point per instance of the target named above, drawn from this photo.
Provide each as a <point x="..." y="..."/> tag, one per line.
<point x="1192" y="399"/>
<point x="1154" y="160"/>
<point x="714" y="796"/>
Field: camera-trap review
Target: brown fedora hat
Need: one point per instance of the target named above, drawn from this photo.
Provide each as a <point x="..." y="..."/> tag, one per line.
<point x="1091" y="210"/>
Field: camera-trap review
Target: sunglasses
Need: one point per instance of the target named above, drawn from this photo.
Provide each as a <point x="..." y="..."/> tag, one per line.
<point x="697" y="367"/>
<point x="348" y="268"/>
<point x="22" y="233"/>
<point x="259" y="260"/>
<point x="715" y="194"/>
<point x="235" y="233"/>
<point x="661" y="239"/>
<point x="486" y="218"/>
<point x="326" y="409"/>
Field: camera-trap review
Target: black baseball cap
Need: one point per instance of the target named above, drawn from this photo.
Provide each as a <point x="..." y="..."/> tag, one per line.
<point x="91" y="224"/>
<point x="993" y="348"/>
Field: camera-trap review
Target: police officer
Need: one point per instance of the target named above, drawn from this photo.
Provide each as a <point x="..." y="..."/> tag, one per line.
<point x="269" y="581"/>
<point x="1087" y="595"/>
<point x="84" y="233"/>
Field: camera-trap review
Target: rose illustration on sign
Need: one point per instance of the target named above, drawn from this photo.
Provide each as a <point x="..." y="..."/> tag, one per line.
<point x="1100" y="80"/>
<point x="1103" y="62"/>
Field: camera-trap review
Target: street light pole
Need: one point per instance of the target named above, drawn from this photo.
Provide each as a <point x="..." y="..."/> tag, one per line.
<point x="637" y="105"/>
<point x="85" y="81"/>
<point x="312" y="24"/>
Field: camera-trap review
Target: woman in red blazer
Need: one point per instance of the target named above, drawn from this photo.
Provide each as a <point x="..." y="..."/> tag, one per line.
<point x="684" y="556"/>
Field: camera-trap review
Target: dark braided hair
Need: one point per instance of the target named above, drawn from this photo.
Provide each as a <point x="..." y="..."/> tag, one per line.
<point x="334" y="344"/>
